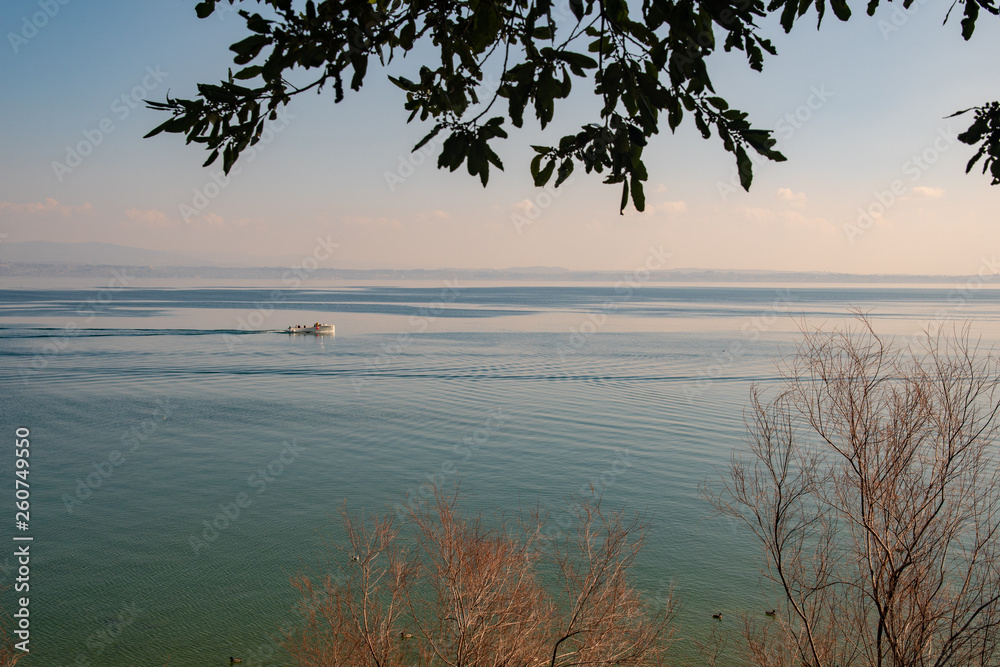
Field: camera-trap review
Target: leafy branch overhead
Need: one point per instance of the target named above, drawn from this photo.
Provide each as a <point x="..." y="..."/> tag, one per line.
<point x="643" y="62"/>
<point x="984" y="131"/>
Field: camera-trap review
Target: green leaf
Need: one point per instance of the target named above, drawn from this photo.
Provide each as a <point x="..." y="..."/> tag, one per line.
<point x="545" y="174"/>
<point x="635" y="135"/>
<point x="576" y="6"/>
<point x="718" y="103"/>
<point x="247" y="49"/>
<point x="969" y="22"/>
<point x="565" y="169"/>
<point x="406" y="35"/>
<point x="453" y="152"/>
<point x="974" y="133"/>
<point x="975" y="159"/>
<point x="638" y="196"/>
<point x="248" y="72"/>
<point x="211" y="158"/>
<point x="624" y="203"/>
<point x="156" y="130"/>
<point x="404" y="83"/>
<point x="536" y="164"/>
<point x="492" y="157"/>
<point x="840" y="9"/>
<point x="578" y="60"/>
<point x="430" y="135"/>
<point x="258" y="23"/>
<point x="616" y="10"/>
<point x="675" y="113"/>
<point x="788" y="15"/>
<point x="228" y="158"/>
<point x="745" y="167"/>
<point x="360" y="63"/>
<point x="204" y="9"/>
<point x="706" y="131"/>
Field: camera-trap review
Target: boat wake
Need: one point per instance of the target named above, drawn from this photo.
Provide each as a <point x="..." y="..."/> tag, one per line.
<point x="59" y="332"/>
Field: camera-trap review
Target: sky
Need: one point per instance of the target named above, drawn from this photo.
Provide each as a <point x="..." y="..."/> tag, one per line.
<point x="875" y="180"/>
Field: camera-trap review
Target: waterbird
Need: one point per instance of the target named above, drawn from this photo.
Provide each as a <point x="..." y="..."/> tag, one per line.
<point x="235" y="661"/>
<point x="718" y="616"/>
<point x="770" y="613"/>
<point x="405" y="635"/>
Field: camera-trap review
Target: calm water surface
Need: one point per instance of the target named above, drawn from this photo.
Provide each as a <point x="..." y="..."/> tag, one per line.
<point x="152" y="410"/>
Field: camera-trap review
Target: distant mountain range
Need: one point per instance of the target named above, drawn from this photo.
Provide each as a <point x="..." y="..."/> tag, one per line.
<point x="44" y="258"/>
<point x="48" y="252"/>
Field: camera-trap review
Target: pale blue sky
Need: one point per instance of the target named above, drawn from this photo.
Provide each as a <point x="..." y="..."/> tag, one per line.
<point x="879" y="97"/>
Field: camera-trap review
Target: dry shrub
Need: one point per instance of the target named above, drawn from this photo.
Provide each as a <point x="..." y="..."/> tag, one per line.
<point x="451" y="591"/>
<point x="873" y="486"/>
<point x="9" y="656"/>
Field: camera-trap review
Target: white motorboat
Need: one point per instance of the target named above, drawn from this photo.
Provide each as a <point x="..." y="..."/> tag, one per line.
<point x="314" y="329"/>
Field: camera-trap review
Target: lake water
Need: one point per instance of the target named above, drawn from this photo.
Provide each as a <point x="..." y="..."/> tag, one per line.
<point x="152" y="410"/>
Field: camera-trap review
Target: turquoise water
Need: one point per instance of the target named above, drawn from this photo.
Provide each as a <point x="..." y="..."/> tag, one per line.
<point x="154" y="411"/>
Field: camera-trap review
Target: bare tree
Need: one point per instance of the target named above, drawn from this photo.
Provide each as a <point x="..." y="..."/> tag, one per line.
<point x="450" y="591"/>
<point x="872" y="484"/>
<point x="9" y="656"/>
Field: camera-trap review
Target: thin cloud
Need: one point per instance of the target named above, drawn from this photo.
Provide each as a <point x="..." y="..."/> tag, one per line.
<point x="370" y="221"/>
<point x="928" y="192"/>
<point x="668" y="207"/>
<point x="48" y="206"/>
<point x="149" y="217"/>
<point x="208" y="221"/>
<point x="662" y="208"/>
<point x="796" y="199"/>
<point x="523" y="206"/>
<point x="791" y="220"/>
<point x="436" y="214"/>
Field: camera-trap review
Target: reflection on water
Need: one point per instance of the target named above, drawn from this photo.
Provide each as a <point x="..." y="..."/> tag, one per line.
<point x="186" y="454"/>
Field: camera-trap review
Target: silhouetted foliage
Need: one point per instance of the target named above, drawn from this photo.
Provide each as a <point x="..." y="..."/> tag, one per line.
<point x="643" y="61"/>
<point x="985" y="131"/>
